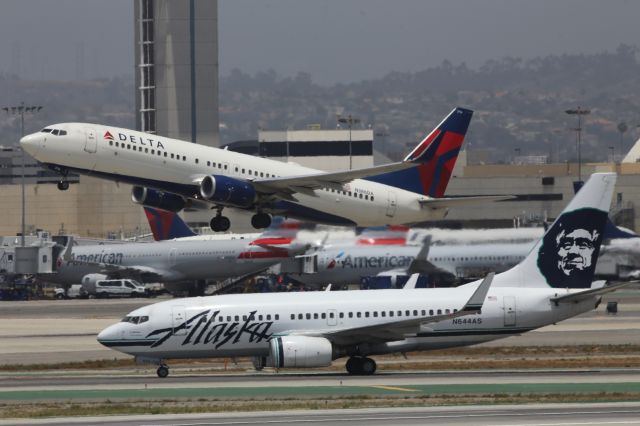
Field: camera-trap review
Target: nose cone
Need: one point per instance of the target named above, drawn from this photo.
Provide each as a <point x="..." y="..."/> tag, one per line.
<point x="110" y="336"/>
<point x="31" y="143"/>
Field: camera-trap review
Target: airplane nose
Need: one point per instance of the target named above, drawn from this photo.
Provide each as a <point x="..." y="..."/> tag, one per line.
<point x="109" y="335"/>
<point x="30" y="143"/>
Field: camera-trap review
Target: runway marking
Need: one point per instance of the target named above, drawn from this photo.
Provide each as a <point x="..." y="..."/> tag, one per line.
<point x="395" y="388"/>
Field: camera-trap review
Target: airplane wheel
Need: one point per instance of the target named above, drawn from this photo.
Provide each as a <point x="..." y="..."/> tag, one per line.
<point x="260" y="220"/>
<point x="163" y="371"/>
<point x="63" y="185"/>
<point x="220" y="224"/>
<point x="354" y="365"/>
<point x="367" y="366"/>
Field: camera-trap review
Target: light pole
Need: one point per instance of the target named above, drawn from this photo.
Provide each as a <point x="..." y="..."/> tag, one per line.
<point x="579" y="112"/>
<point x="622" y="128"/>
<point x="21" y="110"/>
<point x="350" y="121"/>
<point x="613" y="154"/>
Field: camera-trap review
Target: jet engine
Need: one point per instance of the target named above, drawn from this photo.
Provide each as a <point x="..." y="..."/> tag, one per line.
<point x="158" y="199"/>
<point x="299" y="351"/>
<point x="227" y="190"/>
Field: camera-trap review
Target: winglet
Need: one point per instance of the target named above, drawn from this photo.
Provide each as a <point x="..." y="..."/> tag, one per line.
<point x="477" y="299"/>
<point x="411" y="282"/>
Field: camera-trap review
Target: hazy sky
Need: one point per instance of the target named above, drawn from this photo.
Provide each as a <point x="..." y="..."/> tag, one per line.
<point x="334" y="40"/>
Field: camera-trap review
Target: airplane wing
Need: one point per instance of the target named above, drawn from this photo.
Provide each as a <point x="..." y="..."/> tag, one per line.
<point x="587" y="294"/>
<point x="397" y="330"/>
<point x="307" y="183"/>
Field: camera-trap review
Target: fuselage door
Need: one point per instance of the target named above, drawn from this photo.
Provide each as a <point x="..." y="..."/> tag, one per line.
<point x="392" y="203"/>
<point x="91" y="144"/>
<point x="178" y="318"/>
<point x="172" y="257"/>
<point x="332" y="317"/>
<point x="509" y="311"/>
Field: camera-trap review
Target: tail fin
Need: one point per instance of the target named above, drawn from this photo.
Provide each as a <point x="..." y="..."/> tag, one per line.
<point x="434" y="157"/>
<point x="566" y="255"/>
<point x="166" y="225"/>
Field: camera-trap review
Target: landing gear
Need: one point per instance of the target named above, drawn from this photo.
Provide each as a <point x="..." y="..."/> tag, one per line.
<point x="361" y="366"/>
<point x="63" y="185"/>
<point x="220" y="223"/>
<point x="162" y="371"/>
<point x="260" y="220"/>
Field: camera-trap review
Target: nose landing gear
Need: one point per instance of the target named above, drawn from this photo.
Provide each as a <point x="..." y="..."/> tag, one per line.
<point x="63" y="185"/>
<point x="162" y="371"/>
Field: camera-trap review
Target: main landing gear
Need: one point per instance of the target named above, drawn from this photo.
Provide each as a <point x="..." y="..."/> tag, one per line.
<point x="220" y="223"/>
<point x="361" y="366"/>
<point x="63" y="185"/>
<point x="260" y="220"/>
<point x="162" y="371"/>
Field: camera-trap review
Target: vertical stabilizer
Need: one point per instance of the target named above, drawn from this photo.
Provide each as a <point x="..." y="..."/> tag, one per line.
<point x="566" y="255"/>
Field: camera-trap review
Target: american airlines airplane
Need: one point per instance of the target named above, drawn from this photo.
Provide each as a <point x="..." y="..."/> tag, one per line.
<point x="350" y="264"/>
<point x="171" y="174"/>
<point x="553" y="283"/>
<point x="174" y="261"/>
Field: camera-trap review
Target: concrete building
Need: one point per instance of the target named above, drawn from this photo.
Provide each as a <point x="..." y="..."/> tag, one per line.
<point x="176" y="57"/>
<point x="541" y="191"/>
<point x="329" y="150"/>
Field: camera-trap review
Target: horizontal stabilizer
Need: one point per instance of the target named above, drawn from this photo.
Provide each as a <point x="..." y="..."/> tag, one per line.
<point x="587" y="294"/>
<point x="440" y="203"/>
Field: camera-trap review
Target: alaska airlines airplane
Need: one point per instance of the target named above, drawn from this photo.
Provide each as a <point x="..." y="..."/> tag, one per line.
<point x="553" y="283"/>
<point x="171" y="174"/>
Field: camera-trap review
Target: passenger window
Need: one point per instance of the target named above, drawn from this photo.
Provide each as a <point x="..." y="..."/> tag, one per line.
<point x="390" y="313"/>
<point x="407" y="313"/>
<point x="350" y="314"/>
<point x="341" y="315"/>
<point x="244" y="318"/>
<point x="171" y="155"/>
<point x="197" y="161"/>
<point x="439" y="311"/>
<point x="431" y="312"/>
<point x="315" y="316"/>
<point x="358" y="314"/>
<point x="383" y="314"/>
<point x="146" y="150"/>
<point x="300" y="316"/>
<point x="277" y="317"/>
<point x="415" y="313"/>
<point x="293" y="316"/>
<point x="153" y="151"/>
<point x="324" y="316"/>
<point x="366" y="314"/>
<point x="268" y="317"/>
<point x="375" y="314"/>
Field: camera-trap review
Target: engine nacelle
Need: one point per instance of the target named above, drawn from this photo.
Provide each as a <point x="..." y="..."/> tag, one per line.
<point x="300" y="351"/>
<point x="227" y="190"/>
<point x="157" y="199"/>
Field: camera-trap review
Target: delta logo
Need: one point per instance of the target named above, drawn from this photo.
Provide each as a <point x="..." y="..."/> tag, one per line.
<point x="108" y="135"/>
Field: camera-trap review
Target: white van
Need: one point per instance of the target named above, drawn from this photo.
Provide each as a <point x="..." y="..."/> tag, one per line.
<point x="119" y="288"/>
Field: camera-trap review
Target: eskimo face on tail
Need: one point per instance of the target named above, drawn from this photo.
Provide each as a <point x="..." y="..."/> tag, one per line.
<point x="569" y="251"/>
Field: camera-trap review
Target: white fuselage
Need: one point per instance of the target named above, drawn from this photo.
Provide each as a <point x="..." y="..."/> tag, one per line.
<point x="347" y="264"/>
<point x="240" y="325"/>
<point x="177" y="166"/>
<point x="169" y="261"/>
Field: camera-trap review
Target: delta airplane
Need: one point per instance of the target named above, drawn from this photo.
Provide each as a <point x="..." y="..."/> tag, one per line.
<point x="171" y="174"/>
<point x="553" y="283"/>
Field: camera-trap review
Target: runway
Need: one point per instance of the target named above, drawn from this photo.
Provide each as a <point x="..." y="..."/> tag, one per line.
<point x="516" y="415"/>
<point x="49" y="332"/>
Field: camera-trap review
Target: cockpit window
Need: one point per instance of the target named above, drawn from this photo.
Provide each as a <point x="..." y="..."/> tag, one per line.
<point x="55" y="132"/>
<point x="135" y="320"/>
